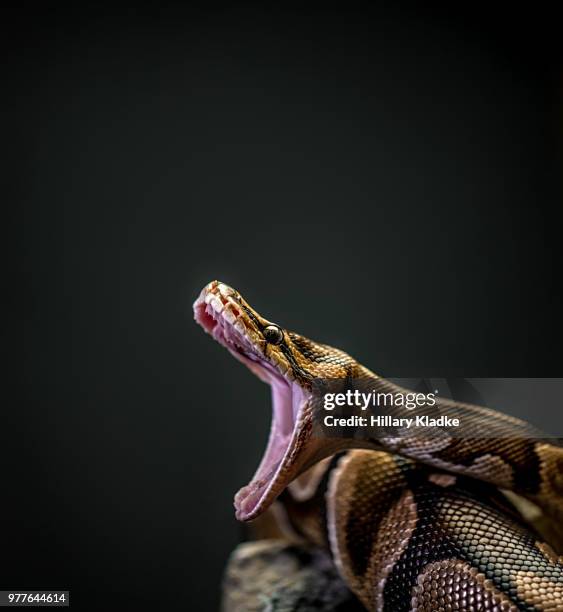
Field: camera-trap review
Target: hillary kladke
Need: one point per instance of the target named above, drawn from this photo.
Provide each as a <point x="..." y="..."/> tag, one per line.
<point x="356" y="399"/>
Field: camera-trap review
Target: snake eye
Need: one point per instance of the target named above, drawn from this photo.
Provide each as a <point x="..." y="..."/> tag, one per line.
<point x="273" y="334"/>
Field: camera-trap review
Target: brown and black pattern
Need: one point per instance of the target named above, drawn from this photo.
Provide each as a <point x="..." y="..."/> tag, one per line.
<point x="490" y="446"/>
<point x="455" y="585"/>
<point x="409" y="538"/>
<point x="533" y="468"/>
<point x="307" y="516"/>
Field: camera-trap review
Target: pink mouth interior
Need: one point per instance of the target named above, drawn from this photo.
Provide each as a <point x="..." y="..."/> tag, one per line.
<point x="287" y="399"/>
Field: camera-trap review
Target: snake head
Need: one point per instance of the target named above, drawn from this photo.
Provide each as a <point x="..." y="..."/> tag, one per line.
<point x="289" y="363"/>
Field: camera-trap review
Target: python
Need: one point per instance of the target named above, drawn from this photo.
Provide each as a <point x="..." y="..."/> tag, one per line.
<point x="414" y="523"/>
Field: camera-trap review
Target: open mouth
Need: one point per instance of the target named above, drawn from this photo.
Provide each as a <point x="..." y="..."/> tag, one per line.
<point x="223" y="314"/>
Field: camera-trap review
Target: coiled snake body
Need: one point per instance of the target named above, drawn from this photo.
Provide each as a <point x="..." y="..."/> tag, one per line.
<point x="411" y="523"/>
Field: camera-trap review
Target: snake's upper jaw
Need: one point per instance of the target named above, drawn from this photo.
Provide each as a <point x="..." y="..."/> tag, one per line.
<point x="229" y="319"/>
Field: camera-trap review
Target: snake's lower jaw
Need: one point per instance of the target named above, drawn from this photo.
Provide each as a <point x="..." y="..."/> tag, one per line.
<point x="283" y="458"/>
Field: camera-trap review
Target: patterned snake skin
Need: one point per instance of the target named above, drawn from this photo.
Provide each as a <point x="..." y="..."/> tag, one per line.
<point x="412" y="523"/>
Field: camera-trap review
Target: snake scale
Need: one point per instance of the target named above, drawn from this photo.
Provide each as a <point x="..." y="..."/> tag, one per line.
<point x="411" y="524"/>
